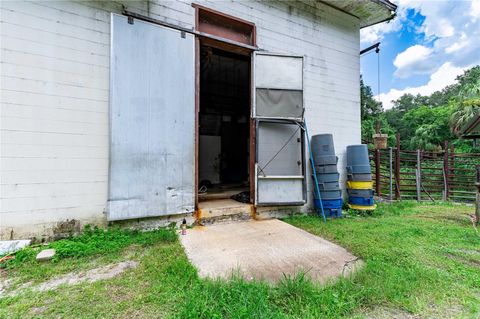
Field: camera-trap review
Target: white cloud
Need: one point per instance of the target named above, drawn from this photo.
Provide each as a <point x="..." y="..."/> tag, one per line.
<point x="475" y="11"/>
<point x="438" y="15"/>
<point x="445" y="29"/>
<point x="460" y="44"/>
<point x="376" y="32"/>
<point x="411" y="57"/>
<point x="451" y="29"/>
<point x="448" y="42"/>
<point x="444" y="76"/>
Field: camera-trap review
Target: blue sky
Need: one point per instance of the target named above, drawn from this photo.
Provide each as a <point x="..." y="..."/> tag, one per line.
<point x="424" y="48"/>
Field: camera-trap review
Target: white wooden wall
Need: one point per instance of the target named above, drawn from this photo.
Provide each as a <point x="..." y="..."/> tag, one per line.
<point x="55" y="87"/>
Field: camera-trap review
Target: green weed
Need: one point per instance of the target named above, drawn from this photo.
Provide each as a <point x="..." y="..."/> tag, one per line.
<point x="419" y="259"/>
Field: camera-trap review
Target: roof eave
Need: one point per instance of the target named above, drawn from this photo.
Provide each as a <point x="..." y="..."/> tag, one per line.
<point x="381" y="21"/>
<point x="368" y="12"/>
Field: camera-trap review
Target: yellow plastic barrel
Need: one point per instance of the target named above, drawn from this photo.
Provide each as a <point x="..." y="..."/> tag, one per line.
<point x="359" y="185"/>
<point x="359" y="207"/>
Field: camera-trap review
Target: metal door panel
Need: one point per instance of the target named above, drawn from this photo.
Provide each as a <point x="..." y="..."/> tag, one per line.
<point x="278" y="72"/>
<point x="281" y="149"/>
<point x="278" y="108"/>
<point x="279" y="103"/>
<point x="280" y="191"/>
<point x="280" y="171"/>
<point x="152" y="103"/>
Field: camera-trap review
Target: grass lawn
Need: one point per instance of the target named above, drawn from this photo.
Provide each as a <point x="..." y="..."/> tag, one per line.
<point x="419" y="260"/>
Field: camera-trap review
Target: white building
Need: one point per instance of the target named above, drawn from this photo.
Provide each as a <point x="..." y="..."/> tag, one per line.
<point x="121" y="110"/>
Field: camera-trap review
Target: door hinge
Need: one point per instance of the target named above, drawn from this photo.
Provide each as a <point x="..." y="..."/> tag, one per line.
<point x="130" y="20"/>
<point x="182" y="34"/>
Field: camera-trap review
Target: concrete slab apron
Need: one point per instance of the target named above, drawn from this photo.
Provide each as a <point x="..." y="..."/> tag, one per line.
<point x="266" y="250"/>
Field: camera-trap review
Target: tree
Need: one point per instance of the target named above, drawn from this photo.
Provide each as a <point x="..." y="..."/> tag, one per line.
<point x="371" y="113"/>
<point x="408" y="101"/>
<point x="426" y="121"/>
<point x="465" y="111"/>
<point x="467" y="101"/>
<point x="368" y="105"/>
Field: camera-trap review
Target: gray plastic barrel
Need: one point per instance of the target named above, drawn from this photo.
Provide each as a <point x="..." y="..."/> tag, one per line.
<point x="329" y="186"/>
<point x="360" y="177"/>
<point x="325" y="169"/>
<point x="360" y="192"/>
<point x="357" y="159"/>
<point x="325" y="159"/>
<point x="329" y="194"/>
<point x="322" y="145"/>
<point x="330" y="177"/>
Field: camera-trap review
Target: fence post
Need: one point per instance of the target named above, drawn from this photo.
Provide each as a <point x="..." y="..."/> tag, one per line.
<point x="446" y="190"/>
<point x="477" y="197"/>
<point x="418" y="176"/>
<point x="397" y="169"/>
<point x="377" y="173"/>
<point x="390" y="160"/>
<point x="451" y="172"/>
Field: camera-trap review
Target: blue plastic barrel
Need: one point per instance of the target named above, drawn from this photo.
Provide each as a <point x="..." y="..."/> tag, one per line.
<point x="362" y="201"/>
<point x="332" y="203"/>
<point x="330" y="210"/>
<point x="329" y="203"/>
<point x="333" y="212"/>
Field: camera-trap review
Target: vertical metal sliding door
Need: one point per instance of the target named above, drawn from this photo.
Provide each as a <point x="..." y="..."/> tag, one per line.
<point x="152" y="120"/>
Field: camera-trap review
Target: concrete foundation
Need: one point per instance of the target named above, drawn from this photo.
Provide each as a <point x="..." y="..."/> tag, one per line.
<point x="265" y="250"/>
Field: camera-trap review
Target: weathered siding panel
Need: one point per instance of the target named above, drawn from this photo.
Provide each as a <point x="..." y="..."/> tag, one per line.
<point x="54" y="94"/>
<point x="54" y="138"/>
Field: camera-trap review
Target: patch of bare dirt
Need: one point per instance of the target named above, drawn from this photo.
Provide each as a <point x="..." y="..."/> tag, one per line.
<point x="461" y="219"/>
<point x="92" y="275"/>
<point x="432" y="312"/>
<point x="5" y="284"/>
<point x="389" y="313"/>
<point x="464" y="259"/>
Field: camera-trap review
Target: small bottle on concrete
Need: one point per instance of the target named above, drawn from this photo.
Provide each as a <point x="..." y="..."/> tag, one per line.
<point x="184" y="227"/>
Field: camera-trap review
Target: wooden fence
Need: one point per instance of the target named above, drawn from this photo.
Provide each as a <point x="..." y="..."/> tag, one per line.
<point x="422" y="175"/>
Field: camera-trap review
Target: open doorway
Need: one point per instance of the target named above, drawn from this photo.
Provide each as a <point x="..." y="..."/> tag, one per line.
<point x="224" y="124"/>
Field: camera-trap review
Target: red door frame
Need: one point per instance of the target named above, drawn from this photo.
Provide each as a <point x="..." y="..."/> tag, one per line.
<point x="244" y="31"/>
